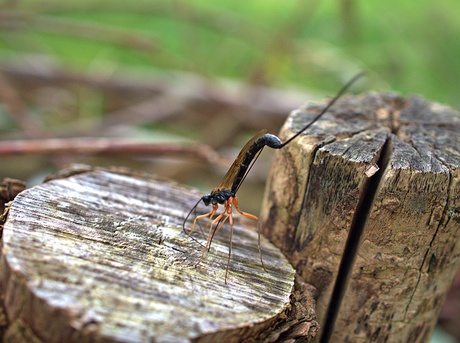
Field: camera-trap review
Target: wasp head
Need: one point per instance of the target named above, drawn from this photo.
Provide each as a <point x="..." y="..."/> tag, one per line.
<point x="207" y="199"/>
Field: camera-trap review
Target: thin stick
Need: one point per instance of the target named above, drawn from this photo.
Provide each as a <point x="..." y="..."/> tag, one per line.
<point x="105" y="146"/>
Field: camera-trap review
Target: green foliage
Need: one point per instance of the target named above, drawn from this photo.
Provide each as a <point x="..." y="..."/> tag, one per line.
<point x="407" y="46"/>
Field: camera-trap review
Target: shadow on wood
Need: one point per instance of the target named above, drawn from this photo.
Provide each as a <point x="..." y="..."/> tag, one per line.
<point x="366" y="206"/>
<point x="101" y="256"/>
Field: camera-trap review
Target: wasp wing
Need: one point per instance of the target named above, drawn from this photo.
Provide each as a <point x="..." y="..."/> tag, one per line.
<point x="228" y="179"/>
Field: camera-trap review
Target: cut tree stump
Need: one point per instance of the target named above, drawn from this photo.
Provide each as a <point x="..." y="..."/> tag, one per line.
<point x="101" y="256"/>
<point x="366" y="206"/>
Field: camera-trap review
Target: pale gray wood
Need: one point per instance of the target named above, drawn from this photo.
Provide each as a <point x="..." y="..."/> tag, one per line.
<point x="319" y="192"/>
<point x="101" y="257"/>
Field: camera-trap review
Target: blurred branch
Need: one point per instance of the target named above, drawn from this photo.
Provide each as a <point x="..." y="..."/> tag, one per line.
<point x="31" y="127"/>
<point x="180" y="11"/>
<point x="105" y="146"/>
<point x="103" y="33"/>
<point x="195" y="100"/>
<point x="349" y="19"/>
<point x="45" y="74"/>
<point x="144" y="111"/>
<point x="188" y="87"/>
<point x="108" y="34"/>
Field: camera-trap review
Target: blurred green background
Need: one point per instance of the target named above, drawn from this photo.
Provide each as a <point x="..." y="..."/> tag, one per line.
<point x="407" y="46"/>
<point x="202" y="71"/>
<point x="199" y="71"/>
<point x="76" y="67"/>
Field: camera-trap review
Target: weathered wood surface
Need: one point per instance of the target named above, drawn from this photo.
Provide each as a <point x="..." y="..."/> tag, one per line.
<point x="101" y="256"/>
<point x="388" y="241"/>
<point x="9" y="188"/>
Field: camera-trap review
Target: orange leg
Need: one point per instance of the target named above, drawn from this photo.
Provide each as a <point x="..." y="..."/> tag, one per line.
<point x="227" y="211"/>
<point x="227" y="214"/>
<point x="230" y="221"/>
<point x="208" y="215"/>
<point x="234" y="201"/>
<point x="214" y="222"/>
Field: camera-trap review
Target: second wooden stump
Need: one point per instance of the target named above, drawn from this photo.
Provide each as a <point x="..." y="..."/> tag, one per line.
<point x="367" y="208"/>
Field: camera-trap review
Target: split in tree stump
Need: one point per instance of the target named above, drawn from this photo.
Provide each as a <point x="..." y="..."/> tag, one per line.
<point x="101" y="256"/>
<point x="366" y="206"/>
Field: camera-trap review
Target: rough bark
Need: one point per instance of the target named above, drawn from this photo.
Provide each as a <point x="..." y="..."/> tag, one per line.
<point x="100" y="256"/>
<point x="366" y="206"/>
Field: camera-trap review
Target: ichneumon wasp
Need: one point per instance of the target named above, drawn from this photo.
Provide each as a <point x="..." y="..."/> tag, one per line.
<point x="225" y="193"/>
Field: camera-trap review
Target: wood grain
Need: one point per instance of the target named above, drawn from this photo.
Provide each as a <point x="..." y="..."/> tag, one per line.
<point x="101" y="256"/>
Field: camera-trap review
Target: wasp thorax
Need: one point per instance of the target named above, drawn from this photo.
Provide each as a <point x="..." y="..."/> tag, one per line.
<point x="217" y="197"/>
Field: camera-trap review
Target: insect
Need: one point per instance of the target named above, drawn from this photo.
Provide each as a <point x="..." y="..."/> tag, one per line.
<point x="225" y="193"/>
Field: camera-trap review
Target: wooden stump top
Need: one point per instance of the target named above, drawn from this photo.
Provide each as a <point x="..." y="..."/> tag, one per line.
<point x="366" y="206"/>
<point x="101" y="256"/>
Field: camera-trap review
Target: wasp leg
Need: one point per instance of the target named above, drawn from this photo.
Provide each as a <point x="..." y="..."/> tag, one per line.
<point x="230" y="221"/>
<point x="210" y="214"/>
<point x="253" y="217"/>
<point x="214" y="222"/>
<point x="229" y="216"/>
